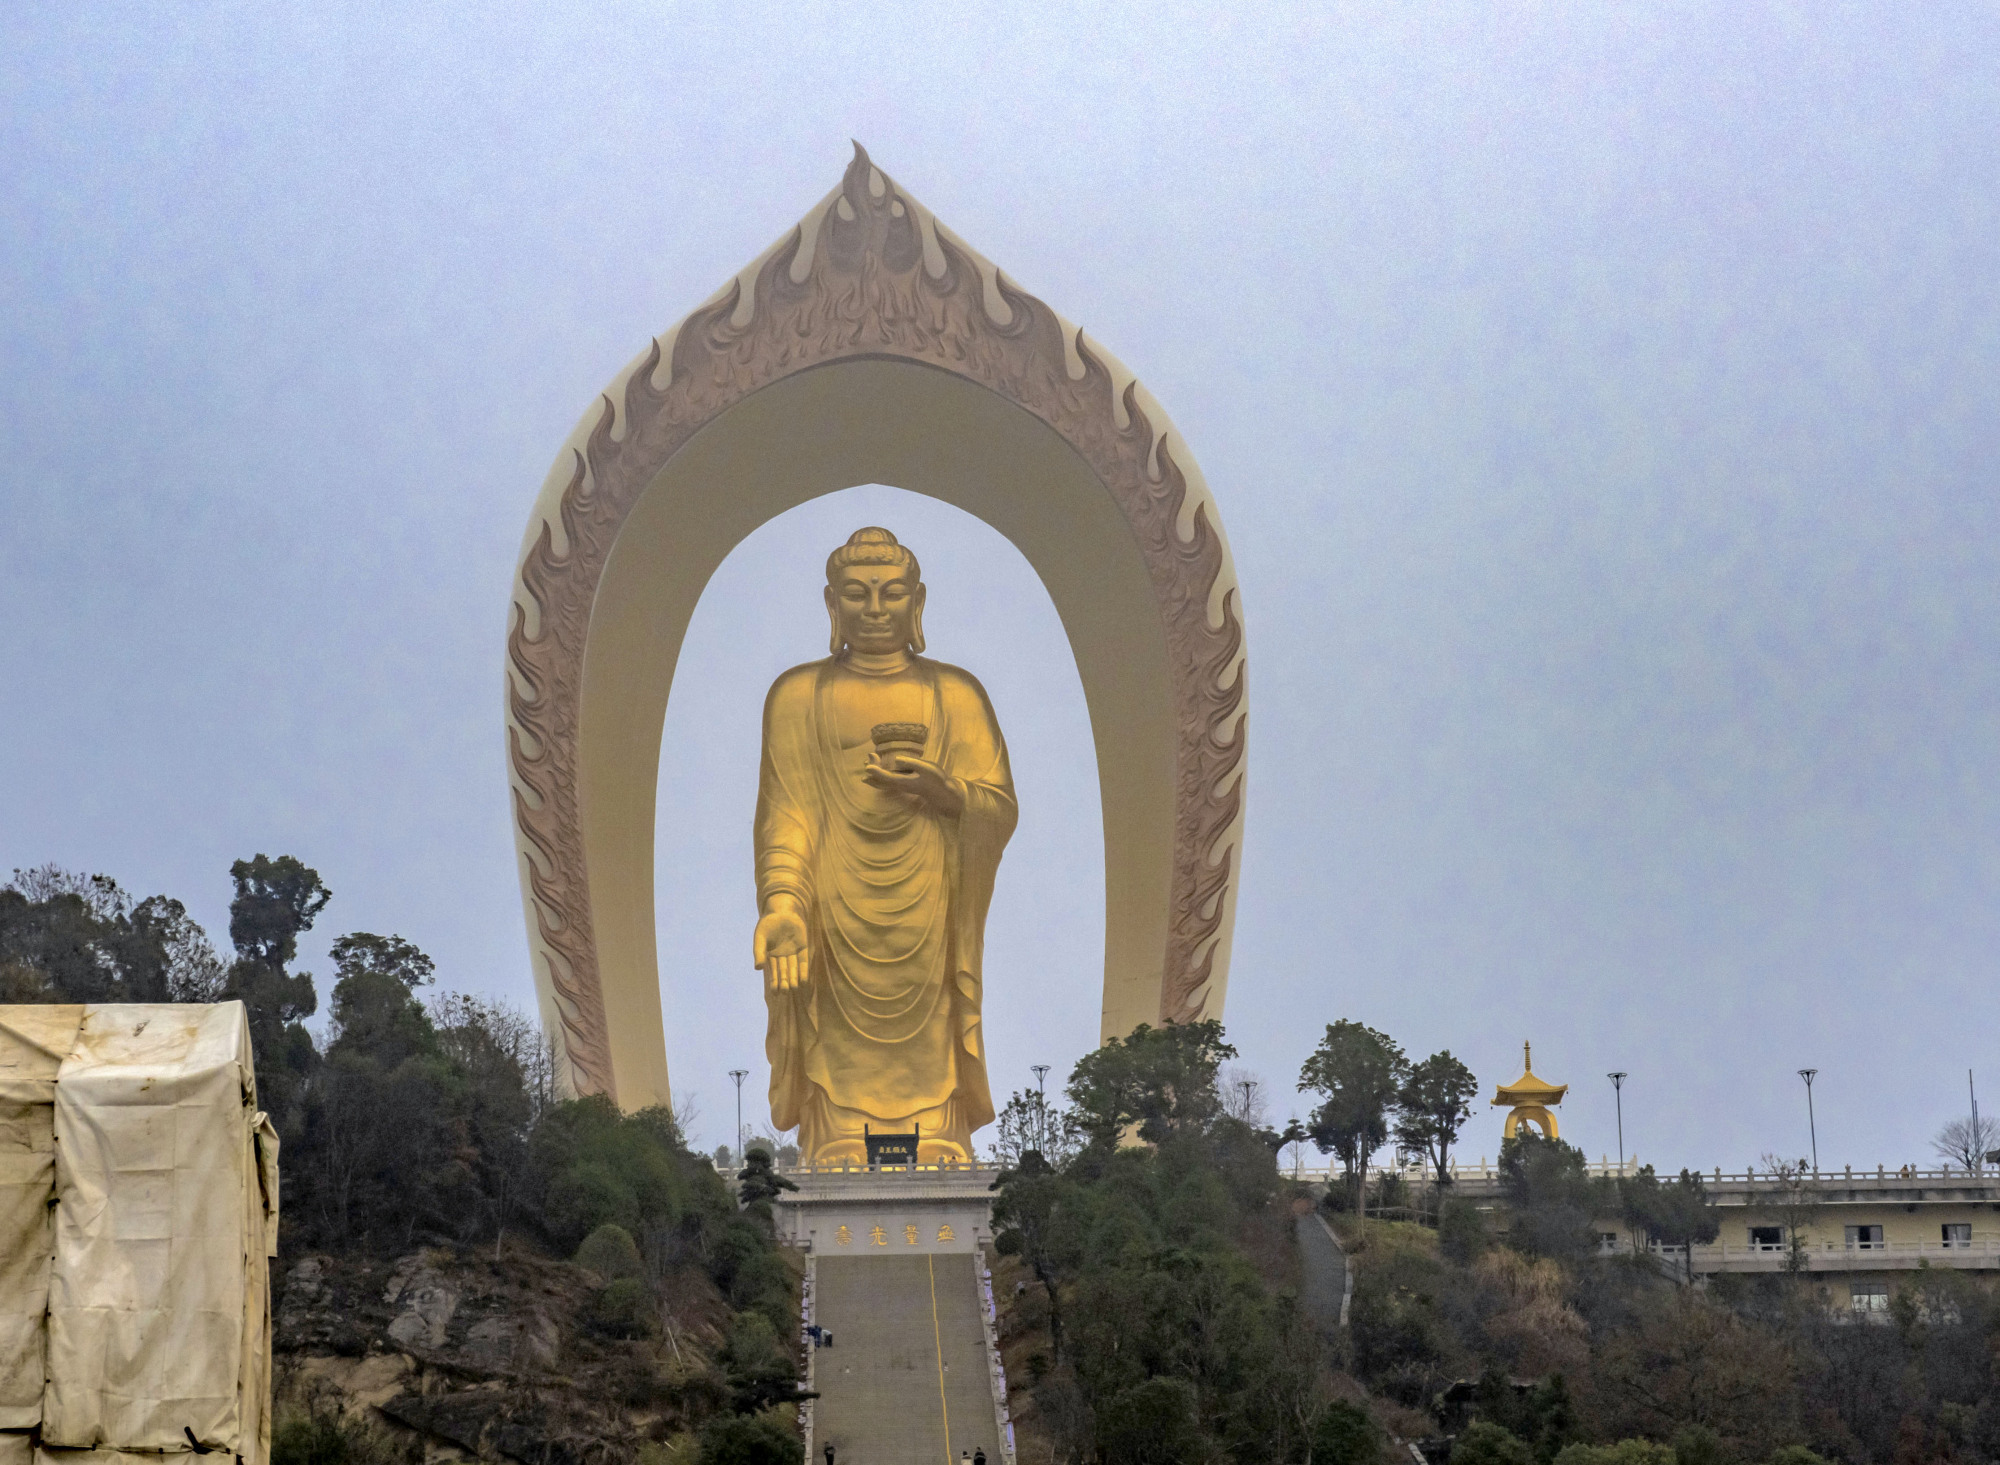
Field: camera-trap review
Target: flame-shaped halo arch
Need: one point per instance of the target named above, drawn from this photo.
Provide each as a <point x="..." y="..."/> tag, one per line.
<point x="869" y="345"/>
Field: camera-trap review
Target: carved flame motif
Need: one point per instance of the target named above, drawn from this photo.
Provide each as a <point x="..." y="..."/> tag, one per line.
<point x="867" y="291"/>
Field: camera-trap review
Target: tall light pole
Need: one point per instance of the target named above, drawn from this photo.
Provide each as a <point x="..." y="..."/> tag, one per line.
<point x="1041" y="1072"/>
<point x="1618" y="1096"/>
<point x="739" y="1074"/>
<point x="1812" y="1124"/>
<point x="1978" y="1135"/>
<point x="1249" y="1086"/>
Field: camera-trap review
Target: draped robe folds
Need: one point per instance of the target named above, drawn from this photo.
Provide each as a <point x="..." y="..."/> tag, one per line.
<point x="886" y="1030"/>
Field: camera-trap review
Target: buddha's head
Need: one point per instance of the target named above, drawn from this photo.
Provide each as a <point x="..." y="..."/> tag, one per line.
<point x="874" y="595"/>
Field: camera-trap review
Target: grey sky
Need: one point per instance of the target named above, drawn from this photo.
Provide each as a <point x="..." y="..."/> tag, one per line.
<point x="1601" y="401"/>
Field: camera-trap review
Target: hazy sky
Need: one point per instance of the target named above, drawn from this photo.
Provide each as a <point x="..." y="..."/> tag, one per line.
<point x="1603" y="402"/>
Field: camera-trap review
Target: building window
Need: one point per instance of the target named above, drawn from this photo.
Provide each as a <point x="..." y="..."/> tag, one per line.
<point x="1958" y="1233"/>
<point x="1864" y="1238"/>
<point x="1869" y="1296"/>
<point x="1767" y="1238"/>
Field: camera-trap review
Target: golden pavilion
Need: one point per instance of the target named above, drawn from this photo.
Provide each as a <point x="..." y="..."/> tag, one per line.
<point x="1530" y="1098"/>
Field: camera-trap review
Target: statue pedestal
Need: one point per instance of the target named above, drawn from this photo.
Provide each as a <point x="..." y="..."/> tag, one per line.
<point x="888" y="1211"/>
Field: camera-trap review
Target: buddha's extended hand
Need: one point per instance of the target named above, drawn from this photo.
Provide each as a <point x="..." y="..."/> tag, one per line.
<point x="782" y="948"/>
<point x="920" y="777"/>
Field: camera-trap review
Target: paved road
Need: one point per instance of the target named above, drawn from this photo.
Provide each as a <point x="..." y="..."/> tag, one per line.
<point x="1323" y="1268"/>
<point x="905" y="1382"/>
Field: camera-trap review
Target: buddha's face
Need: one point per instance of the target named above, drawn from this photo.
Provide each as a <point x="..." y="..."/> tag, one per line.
<point x="876" y="607"/>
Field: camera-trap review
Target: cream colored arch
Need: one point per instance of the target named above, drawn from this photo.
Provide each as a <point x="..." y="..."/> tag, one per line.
<point x="868" y="346"/>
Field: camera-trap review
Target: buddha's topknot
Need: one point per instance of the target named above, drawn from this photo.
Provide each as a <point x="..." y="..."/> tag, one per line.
<point x="871" y="546"/>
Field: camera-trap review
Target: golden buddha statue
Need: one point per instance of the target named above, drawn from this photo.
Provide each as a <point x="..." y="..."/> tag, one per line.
<point x="883" y="804"/>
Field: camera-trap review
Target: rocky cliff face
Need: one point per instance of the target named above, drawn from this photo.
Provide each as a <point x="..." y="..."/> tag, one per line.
<point x="462" y="1354"/>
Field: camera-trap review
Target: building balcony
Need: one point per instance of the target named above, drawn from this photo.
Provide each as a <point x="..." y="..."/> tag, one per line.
<point x="1978" y="1254"/>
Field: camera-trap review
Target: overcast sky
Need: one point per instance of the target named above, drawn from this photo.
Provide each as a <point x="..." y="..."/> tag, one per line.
<point x="1600" y="400"/>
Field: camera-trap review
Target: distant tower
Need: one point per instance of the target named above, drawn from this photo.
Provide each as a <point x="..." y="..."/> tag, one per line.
<point x="1530" y="1099"/>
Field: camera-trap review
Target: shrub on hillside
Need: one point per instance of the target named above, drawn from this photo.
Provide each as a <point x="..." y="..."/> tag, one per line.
<point x="1625" y="1452"/>
<point x="1405" y="1321"/>
<point x="1462" y="1232"/>
<point x="1164" y="1336"/>
<point x="592" y="1166"/>
<point x="1700" y="1445"/>
<point x="624" y="1309"/>
<point x="319" y="1434"/>
<point x="1151" y="1423"/>
<point x="611" y="1252"/>
<point x="744" y="1264"/>
<point x="1489" y="1444"/>
<point x="751" y="1439"/>
<point x="1345" y="1435"/>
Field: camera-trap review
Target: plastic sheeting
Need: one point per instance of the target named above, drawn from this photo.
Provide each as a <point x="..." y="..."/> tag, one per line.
<point x="33" y="1043"/>
<point x="156" y="1332"/>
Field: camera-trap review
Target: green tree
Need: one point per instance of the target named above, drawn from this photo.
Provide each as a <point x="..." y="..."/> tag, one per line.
<point x="1675" y="1213"/>
<point x="1433" y="1101"/>
<point x="750" y="1439"/>
<point x="1625" y="1452"/>
<point x="502" y="1072"/>
<point x="276" y="901"/>
<point x="1155" y="1422"/>
<point x="384" y="1109"/>
<point x="757" y="1368"/>
<point x="1462" y="1232"/>
<point x="1345" y="1435"/>
<point x="1554" y="1197"/>
<point x="594" y="1166"/>
<point x="1160" y="1079"/>
<point x="1357" y="1072"/>
<point x="1027" y="1122"/>
<point x="1488" y="1444"/>
<point x="68" y="937"/>
<point x="1793" y="1198"/>
<point x="1031" y="1221"/>
<point x="1542" y="1417"/>
<point x="611" y="1252"/>
<point x="758" y="1183"/>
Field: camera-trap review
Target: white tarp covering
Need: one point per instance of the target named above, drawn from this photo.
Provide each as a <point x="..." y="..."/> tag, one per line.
<point x="158" y="1302"/>
<point x="33" y="1043"/>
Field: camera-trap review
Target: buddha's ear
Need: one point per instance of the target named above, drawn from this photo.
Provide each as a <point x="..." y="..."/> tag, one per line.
<point x="834" y="643"/>
<point x="917" y="620"/>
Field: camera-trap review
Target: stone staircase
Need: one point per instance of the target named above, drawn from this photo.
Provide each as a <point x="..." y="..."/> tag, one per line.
<point x="908" y="1380"/>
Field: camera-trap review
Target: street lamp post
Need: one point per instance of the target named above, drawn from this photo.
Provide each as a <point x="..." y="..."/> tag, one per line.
<point x="1812" y="1124"/>
<point x="1041" y="1072"/>
<point x="739" y="1074"/>
<point x="1618" y="1096"/>
<point x="1978" y="1134"/>
<point x="1249" y="1086"/>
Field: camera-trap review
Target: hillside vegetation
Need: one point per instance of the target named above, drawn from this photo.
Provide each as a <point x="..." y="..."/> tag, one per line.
<point x="1153" y="1280"/>
<point x="467" y="1265"/>
<point x="471" y="1268"/>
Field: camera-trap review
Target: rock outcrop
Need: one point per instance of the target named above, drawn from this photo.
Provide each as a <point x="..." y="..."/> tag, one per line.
<point x="476" y="1356"/>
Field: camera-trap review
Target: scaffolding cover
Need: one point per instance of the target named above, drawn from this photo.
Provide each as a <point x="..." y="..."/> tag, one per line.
<point x="156" y="1330"/>
<point x="33" y="1043"/>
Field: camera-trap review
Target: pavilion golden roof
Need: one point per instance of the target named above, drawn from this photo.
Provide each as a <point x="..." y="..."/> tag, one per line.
<point x="1527" y="1089"/>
